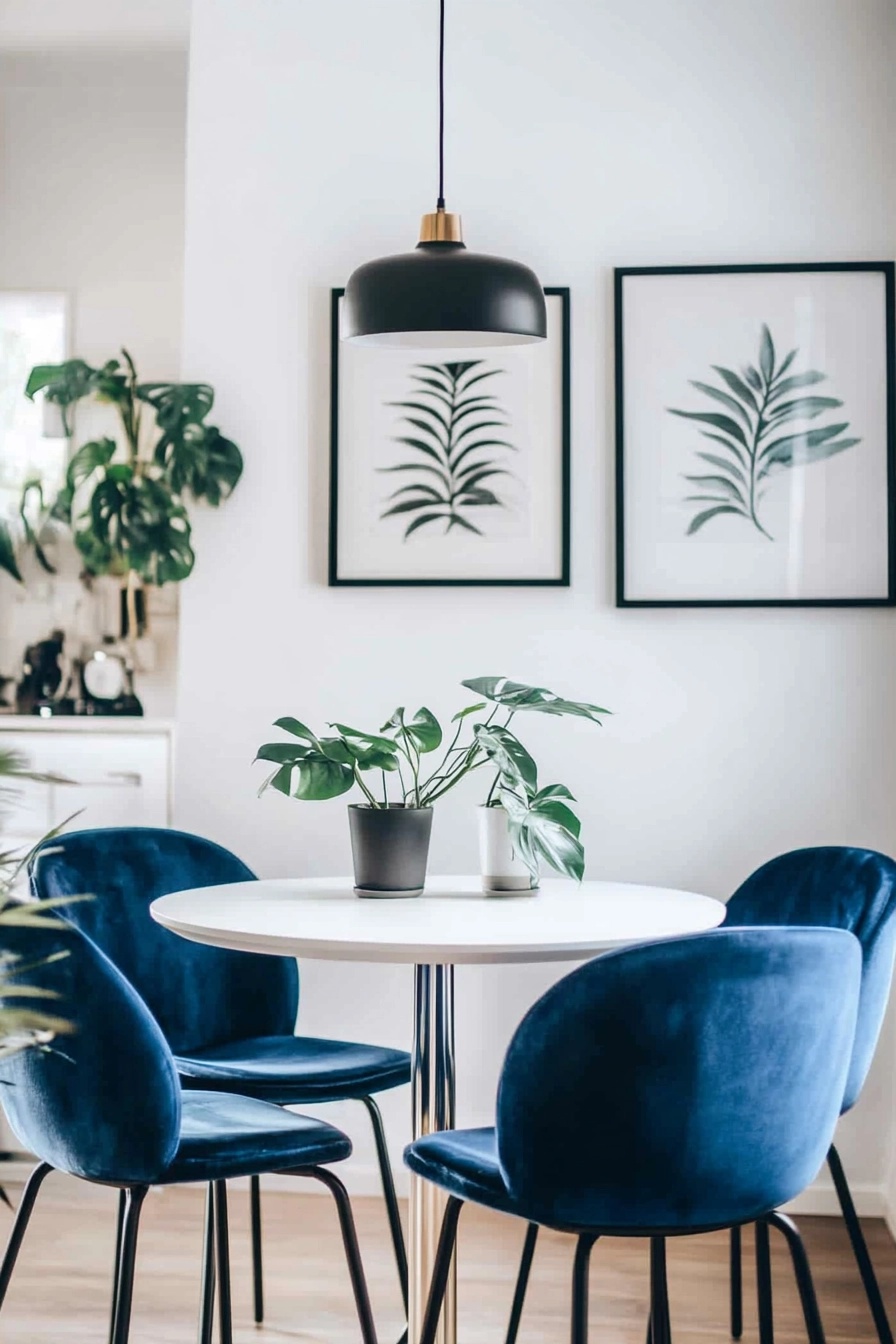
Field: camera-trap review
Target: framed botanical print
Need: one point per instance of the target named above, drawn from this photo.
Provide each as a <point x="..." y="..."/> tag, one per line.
<point x="755" y="436"/>
<point x="451" y="467"/>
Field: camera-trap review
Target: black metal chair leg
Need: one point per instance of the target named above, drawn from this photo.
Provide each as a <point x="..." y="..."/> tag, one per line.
<point x="207" y="1300"/>
<point x="352" y="1250"/>
<point x="811" y="1314"/>
<point x="395" y="1228"/>
<point x="19" y="1227"/>
<point x="134" y="1198"/>
<point x="659" y="1327"/>
<point x="580" y="1264"/>
<point x="119" y="1234"/>
<point x="222" y="1256"/>
<point x="522" y="1283"/>
<point x="764" y="1298"/>
<point x="440" y="1270"/>
<point x="257" y="1280"/>
<point x="735" y="1258"/>
<point x="860" y="1248"/>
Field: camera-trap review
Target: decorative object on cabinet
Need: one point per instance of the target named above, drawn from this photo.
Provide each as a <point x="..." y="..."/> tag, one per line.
<point x="390" y="839"/>
<point x="33" y="329"/>
<point x="756" y="435"/>
<point x="451" y="471"/>
<point x="440" y="294"/>
<point x="107" y="681"/>
<point x="45" y="678"/>
<point x="127" y="511"/>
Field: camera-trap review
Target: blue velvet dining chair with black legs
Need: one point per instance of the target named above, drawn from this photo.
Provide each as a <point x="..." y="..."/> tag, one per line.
<point x="840" y="887"/>
<point x="830" y="887"/>
<point x="663" y="1090"/>
<point x="105" y="1104"/>
<point x="229" y="1017"/>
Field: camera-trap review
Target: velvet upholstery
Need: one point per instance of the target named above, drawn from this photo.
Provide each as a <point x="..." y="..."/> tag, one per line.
<point x="834" y="887"/>
<point x="673" y="1086"/>
<point x="228" y="1016"/>
<point x="295" y="1069"/>
<point x="200" y="996"/>
<point x="105" y="1102"/>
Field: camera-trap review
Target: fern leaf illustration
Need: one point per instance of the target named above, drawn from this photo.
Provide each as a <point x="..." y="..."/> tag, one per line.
<point x="757" y="404"/>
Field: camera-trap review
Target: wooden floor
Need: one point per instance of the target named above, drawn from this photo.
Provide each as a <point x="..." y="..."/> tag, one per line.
<point x="61" y="1287"/>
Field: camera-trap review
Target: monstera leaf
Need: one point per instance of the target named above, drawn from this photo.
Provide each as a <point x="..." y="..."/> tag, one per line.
<point x="516" y="696"/>
<point x="140" y="520"/>
<point x="543" y="829"/>
<point x="750" y="430"/>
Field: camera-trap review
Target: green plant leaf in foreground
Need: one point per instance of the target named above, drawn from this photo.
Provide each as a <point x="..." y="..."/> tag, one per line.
<point x="516" y="696"/>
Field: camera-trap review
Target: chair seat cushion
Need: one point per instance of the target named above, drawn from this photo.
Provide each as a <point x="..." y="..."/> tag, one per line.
<point x="465" y="1163"/>
<point x="223" y="1135"/>
<point x="291" y="1070"/>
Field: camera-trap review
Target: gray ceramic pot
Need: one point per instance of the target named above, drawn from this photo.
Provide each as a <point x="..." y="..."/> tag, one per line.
<point x="390" y="846"/>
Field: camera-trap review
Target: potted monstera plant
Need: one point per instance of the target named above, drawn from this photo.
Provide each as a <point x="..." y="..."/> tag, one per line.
<point x="126" y="499"/>
<point x="405" y="767"/>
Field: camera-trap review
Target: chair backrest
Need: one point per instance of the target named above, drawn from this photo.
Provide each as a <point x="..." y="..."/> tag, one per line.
<point x="689" y="1083"/>
<point x="103" y="1102"/>
<point x="834" y="887"/>
<point x="201" y="996"/>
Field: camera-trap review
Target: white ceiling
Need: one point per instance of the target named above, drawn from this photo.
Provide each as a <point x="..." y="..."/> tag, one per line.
<point x="54" y="24"/>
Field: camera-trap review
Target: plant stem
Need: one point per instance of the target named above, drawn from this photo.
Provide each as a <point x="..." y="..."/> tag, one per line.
<point x="414" y="760"/>
<point x="385" y="790"/>
<point x="451" y="783"/>
<point x="491" y="792"/>
<point x="364" y="789"/>
<point x="754" y="455"/>
<point x="444" y="761"/>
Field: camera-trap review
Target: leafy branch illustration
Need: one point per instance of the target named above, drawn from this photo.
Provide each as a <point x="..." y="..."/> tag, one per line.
<point x="759" y="402"/>
<point x="452" y="422"/>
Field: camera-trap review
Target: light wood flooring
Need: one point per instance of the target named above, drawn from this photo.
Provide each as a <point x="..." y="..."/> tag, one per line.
<point x="61" y="1287"/>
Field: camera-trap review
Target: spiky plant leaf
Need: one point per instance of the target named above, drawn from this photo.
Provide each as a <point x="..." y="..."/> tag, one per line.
<point x="760" y="403"/>
<point x="450" y="422"/>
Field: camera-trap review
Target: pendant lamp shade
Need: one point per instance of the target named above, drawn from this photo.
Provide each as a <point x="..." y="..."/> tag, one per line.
<point x="440" y="294"/>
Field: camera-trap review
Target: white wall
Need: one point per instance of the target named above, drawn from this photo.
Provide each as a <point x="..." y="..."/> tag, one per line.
<point x="581" y="135"/>
<point x="92" y="203"/>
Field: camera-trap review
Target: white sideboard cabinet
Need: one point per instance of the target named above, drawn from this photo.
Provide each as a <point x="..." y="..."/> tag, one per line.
<point x="109" y="772"/>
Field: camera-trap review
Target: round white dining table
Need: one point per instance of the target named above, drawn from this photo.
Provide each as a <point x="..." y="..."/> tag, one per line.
<point x="451" y="924"/>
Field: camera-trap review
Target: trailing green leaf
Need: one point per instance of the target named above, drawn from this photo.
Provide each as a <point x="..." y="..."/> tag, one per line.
<point x="516" y="696"/>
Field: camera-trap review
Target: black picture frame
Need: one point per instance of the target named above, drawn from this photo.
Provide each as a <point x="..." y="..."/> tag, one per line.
<point x="562" y="580"/>
<point x="886" y="270"/>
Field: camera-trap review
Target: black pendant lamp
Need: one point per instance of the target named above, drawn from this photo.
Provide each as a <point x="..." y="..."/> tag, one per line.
<point x="440" y="294"/>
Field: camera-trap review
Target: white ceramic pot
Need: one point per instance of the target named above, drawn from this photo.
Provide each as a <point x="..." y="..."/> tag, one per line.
<point x="503" y="873"/>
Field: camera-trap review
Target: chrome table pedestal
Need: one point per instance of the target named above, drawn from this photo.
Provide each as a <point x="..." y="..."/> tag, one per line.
<point x="432" y="1089"/>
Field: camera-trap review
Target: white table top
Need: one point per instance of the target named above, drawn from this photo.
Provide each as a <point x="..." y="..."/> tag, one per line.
<point x="451" y="923"/>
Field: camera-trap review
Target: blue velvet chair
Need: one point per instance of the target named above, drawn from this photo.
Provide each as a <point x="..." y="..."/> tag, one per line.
<point x="842" y="888"/>
<point x="666" y="1089"/>
<point x="105" y="1104"/>
<point x="229" y="1017"/>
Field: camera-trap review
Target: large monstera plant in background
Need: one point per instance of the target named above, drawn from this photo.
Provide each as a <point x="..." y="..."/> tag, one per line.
<point x="126" y="501"/>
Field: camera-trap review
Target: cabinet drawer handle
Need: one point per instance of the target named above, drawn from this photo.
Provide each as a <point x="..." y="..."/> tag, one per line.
<point x="129" y="777"/>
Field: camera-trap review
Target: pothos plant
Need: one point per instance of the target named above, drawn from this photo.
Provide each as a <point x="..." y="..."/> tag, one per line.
<point x="542" y="825"/>
<point x="126" y="501"/>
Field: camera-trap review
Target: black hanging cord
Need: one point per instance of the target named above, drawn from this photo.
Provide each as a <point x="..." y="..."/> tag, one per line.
<point x="440" y="204"/>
